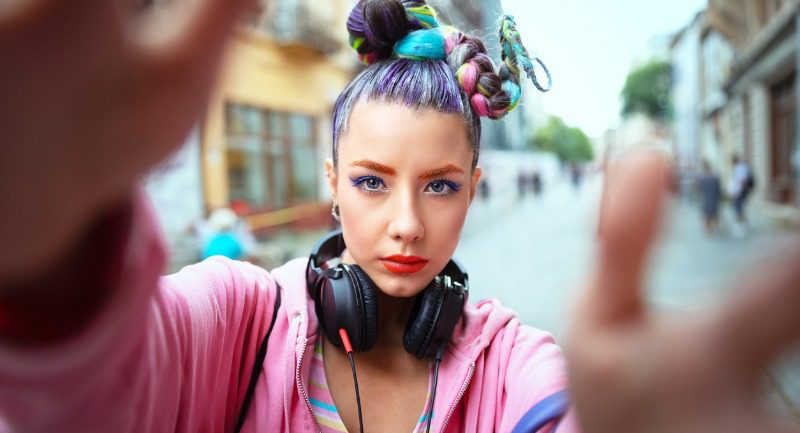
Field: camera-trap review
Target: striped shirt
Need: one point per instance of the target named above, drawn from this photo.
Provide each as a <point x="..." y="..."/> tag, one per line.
<point x="322" y="402"/>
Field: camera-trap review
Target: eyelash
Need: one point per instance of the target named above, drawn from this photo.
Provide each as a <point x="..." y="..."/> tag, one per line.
<point x="360" y="182"/>
<point x="453" y="187"/>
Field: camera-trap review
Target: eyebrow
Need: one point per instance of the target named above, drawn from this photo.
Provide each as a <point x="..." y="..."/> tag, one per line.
<point x="372" y="165"/>
<point x="430" y="174"/>
<point x="450" y="168"/>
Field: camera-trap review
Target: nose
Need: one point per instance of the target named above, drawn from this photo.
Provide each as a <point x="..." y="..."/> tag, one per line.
<point x="406" y="223"/>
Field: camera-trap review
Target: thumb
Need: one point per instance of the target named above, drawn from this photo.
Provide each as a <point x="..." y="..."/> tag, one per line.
<point x="630" y="217"/>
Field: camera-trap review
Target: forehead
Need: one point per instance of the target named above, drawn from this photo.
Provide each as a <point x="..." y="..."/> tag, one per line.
<point x="395" y="131"/>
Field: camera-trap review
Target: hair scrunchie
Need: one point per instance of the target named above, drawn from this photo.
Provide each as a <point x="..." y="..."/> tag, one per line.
<point x="421" y="45"/>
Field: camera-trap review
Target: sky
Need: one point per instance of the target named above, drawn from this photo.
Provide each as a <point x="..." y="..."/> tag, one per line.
<point x="590" y="46"/>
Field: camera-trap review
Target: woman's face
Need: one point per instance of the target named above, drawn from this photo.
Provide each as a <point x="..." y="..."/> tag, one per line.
<point x="403" y="185"/>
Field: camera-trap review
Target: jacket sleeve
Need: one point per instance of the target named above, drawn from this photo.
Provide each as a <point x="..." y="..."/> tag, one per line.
<point x="223" y="310"/>
<point x="536" y="370"/>
<point x="170" y="354"/>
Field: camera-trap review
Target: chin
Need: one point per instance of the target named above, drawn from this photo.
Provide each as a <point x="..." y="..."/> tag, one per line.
<point x="402" y="286"/>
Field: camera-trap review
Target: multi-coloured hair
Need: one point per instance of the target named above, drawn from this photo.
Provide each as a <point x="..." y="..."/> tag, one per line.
<point x="413" y="59"/>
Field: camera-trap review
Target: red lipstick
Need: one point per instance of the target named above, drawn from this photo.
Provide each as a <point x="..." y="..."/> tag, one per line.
<point x="398" y="264"/>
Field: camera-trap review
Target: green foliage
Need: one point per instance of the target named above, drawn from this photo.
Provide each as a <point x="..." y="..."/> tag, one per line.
<point x="648" y="90"/>
<point x="570" y="144"/>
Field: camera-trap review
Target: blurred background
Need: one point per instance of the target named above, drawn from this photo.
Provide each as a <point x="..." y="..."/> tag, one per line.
<point x="703" y="81"/>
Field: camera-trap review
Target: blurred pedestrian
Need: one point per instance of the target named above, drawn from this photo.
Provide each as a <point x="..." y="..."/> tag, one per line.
<point x="710" y="189"/>
<point x="576" y="174"/>
<point x="225" y="235"/>
<point x="522" y="183"/>
<point x="741" y="185"/>
<point x="483" y="189"/>
<point x="536" y="183"/>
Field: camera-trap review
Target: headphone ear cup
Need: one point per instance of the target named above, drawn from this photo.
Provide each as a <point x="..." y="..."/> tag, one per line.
<point x="370" y="312"/>
<point x="422" y="322"/>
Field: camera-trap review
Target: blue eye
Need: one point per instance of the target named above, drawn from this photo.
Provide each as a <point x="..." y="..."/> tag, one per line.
<point x="442" y="187"/>
<point x="369" y="183"/>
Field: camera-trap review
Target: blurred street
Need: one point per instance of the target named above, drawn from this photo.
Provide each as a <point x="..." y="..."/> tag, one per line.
<point x="542" y="247"/>
<point x="532" y="254"/>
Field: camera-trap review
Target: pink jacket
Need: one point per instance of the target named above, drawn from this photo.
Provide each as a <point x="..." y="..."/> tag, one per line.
<point x="175" y="354"/>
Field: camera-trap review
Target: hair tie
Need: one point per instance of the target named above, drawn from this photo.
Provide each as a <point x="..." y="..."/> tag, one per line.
<point x="452" y="37"/>
<point x="514" y="53"/>
<point x="424" y="15"/>
<point x="481" y="105"/>
<point x="514" y="94"/>
<point x="467" y="76"/>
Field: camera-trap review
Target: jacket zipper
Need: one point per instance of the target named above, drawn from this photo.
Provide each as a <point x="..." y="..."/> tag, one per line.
<point x="303" y="389"/>
<point x="459" y="397"/>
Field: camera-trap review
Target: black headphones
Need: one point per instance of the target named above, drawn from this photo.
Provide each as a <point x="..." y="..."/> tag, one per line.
<point x="345" y="299"/>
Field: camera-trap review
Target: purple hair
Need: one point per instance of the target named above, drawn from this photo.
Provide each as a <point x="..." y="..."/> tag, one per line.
<point x="425" y="84"/>
<point x="415" y="61"/>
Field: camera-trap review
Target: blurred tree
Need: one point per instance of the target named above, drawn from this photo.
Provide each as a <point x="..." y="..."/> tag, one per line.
<point x="648" y="90"/>
<point x="570" y="144"/>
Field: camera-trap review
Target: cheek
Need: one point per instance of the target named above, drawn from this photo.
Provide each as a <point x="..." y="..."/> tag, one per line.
<point x="359" y="219"/>
<point x="444" y="223"/>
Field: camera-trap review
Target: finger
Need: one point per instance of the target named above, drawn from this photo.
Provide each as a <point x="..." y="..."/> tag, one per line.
<point x="52" y="18"/>
<point x="177" y="54"/>
<point x="763" y="318"/>
<point x="192" y="31"/>
<point x="183" y="60"/>
<point x="631" y="211"/>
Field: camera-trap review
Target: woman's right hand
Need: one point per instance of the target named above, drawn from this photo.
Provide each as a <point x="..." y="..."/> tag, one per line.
<point x="93" y="95"/>
<point x="632" y="370"/>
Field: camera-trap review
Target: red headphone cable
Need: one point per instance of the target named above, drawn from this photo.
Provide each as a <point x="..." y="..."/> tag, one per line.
<point x="349" y="349"/>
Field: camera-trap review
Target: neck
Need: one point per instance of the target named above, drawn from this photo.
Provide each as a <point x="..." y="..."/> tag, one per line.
<point x="392" y="318"/>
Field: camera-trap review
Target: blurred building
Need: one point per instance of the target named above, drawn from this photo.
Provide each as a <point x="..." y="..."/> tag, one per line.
<point x="701" y="59"/>
<point x="267" y="130"/>
<point x="686" y="60"/>
<point x="762" y="94"/>
<point x="735" y="70"/>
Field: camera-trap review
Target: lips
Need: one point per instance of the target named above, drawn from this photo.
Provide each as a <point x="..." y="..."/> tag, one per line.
<point x="398" y="264"/>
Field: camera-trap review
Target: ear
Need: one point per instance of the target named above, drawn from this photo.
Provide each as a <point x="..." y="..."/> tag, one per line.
<point x="330" y="171"/>
<point x="473" y="183"/>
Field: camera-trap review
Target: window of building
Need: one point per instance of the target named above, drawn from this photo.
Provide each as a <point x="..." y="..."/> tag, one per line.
<point x="271" y="157"/>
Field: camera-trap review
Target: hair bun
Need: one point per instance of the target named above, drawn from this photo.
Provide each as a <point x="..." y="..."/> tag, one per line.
<point x="376" y="25"/>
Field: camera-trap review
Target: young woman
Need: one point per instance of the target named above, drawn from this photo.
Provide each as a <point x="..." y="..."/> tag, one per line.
<point x="94" y="340"/>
